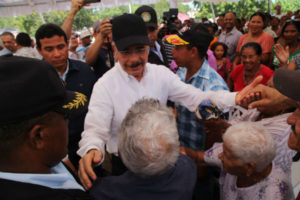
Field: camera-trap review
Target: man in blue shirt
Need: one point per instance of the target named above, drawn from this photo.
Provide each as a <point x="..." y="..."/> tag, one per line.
<point x="78" y="76"/>
<point x="189" y="53"/>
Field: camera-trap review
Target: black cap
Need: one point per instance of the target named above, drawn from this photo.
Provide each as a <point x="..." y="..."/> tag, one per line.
<point x="129" y="29"/>
<point x="148" y="14"/>
<point x="30" y="88"/>
<point x="287" y="82"/>
<point x="197" y="35"/>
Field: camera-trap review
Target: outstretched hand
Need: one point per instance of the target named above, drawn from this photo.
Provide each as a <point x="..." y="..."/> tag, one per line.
<point x="248" y="90"/>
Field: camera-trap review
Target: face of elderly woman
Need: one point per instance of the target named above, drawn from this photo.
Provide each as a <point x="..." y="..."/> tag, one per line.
<point x="231" y="164"/>
<point x="250" y="59"/>
<point x="256" y="24"/>
<point x="294" y="138"/>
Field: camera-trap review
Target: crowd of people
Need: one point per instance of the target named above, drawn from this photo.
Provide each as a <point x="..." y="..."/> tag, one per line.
<point x="137" y="110"/>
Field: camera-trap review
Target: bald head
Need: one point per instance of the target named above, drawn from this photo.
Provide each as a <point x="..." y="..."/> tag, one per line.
<point x="229" y="21"/>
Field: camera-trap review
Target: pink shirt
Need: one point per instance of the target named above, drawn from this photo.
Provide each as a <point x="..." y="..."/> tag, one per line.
<point x="265" y="40"/>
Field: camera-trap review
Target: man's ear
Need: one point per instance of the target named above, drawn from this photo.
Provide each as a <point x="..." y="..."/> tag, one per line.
<point x="39" y="50"/>
<point x="250" y="168"/>
<point x="37" y="137"/>
<point x="114" y="48"/>
<point x="194" y="51"/>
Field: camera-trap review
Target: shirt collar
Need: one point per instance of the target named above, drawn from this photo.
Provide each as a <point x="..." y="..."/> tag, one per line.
<point x="231" y="32"/>
<point x="64" y="75"/>
<point x="157" y="46"/>
<point x="203" y="72"/>
<point x="60" y="178"/>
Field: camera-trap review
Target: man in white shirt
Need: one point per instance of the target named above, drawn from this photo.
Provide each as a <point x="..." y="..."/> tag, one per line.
<point x="132" y="79"/>
<point x="278" y="13"/>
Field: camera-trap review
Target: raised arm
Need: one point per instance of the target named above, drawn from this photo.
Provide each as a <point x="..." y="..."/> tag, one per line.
<point x="76" y="5"/>
<point x="93" y="50"/>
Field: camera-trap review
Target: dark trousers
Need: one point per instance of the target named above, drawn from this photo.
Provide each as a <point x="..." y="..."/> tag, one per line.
<point x="117" y="166"/>
<point x="207" y="188"/>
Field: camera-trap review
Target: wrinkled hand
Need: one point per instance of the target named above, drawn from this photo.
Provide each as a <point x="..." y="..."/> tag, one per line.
<point x="86" y="163"/>
<point x="282" y="53"/>
<point x="182" y="150"/>
<point x="240" y="97"/>
<point x="214" y="129"/>
<point x="263" y="96"/>
<point x="270" y="82"/>
<point x="197" y="156"/>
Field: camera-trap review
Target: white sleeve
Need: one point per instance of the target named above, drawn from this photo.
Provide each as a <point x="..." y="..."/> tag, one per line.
<point x="190" y="97"/>
<point x="97" y="123"/>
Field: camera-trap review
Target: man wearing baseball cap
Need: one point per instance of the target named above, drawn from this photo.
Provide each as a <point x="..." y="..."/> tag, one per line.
<point x="157" y="54"/>
<point x="34" y="131"/>
<point x="189" y="53"/>
<point x="85" y="38"/>
<point x="131" y="79"/>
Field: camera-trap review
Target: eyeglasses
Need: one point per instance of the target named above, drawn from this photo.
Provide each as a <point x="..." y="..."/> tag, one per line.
<point x="138" y="51"/>
<point x="249" y="57"/>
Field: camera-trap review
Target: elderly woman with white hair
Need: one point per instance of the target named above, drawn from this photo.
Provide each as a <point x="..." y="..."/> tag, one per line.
<point x="149" y="148"/>
<point x="245" y="157"/>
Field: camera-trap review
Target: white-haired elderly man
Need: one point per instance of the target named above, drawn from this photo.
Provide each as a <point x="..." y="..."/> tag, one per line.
<point x="245" y="157"/>
<point x="149" y="145"/>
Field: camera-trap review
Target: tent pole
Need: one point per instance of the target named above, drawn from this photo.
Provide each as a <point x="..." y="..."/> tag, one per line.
<point x="42" y="18"/>
<point x="173" y="4"/>
<point x="129" y="7"/>
<point x="212" y="10"/>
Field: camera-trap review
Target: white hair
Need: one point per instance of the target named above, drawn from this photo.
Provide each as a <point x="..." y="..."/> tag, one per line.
<point x="148" y="138"/>
<point x="250" y="142"/>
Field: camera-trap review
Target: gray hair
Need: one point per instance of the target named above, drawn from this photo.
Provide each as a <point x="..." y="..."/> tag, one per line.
<point x="250" y="142"/>
<point x="96" y="26"/>
<point x="148" y="138"/>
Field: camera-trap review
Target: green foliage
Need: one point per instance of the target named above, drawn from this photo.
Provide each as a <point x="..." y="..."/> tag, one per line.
<point x="86" y="17"/>
<point x="243" y="8"/>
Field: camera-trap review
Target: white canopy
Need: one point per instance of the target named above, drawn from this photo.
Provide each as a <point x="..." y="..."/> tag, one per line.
<point x="21" y="7"/>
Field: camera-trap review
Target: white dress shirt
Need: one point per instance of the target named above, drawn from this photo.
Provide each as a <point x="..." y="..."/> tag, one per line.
<point x="116" y="91"/>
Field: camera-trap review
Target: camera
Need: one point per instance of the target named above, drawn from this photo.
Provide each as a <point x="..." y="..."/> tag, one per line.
<point x="169" y="18"/>
<point x="91" y="1"/>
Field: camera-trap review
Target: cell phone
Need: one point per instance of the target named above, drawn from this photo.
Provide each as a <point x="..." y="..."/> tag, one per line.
<point x="91" y="1"/>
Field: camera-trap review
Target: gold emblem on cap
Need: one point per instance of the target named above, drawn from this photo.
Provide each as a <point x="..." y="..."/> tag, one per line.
<point x="146" y="16"/>
<point x="79" y="100"/>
